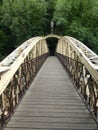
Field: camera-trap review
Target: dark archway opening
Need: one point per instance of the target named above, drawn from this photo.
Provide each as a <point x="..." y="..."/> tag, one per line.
<point x="52" y="44"/>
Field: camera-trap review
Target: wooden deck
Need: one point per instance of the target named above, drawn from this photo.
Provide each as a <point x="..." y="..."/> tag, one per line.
<point x="51" y="103"/>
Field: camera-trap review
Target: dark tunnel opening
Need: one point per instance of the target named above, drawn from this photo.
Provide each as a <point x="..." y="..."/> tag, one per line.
<point x="52" y="44"/>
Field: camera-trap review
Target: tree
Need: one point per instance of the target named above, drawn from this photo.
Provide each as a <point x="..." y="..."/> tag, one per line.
<point x="50" y="10"/>
<point x="20" y="20"/>
<point x="78" y="19"/>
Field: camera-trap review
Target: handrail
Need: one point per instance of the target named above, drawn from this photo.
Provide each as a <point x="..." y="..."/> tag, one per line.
<point x="81" y="63"/>
<point x="19" y="69"/>
<point x="52" y="35"/>
<point x="84" y="82"/>
<point x="17" y="72"/>
<point x="73" y="48"/>
<point x="16" y="58"/>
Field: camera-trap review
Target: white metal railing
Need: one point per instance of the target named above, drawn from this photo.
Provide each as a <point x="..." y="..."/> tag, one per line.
<point x="82" y="64"/>
<point x="17" y="71"/>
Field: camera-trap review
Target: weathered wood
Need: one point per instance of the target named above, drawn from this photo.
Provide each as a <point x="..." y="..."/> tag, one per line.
<point x="51" y="103"/>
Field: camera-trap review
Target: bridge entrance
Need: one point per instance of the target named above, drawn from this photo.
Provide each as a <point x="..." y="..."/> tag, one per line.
<point x="52" y="44"/>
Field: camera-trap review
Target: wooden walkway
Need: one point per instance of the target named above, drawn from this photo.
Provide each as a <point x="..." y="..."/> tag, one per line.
<point x="51" y="103"/>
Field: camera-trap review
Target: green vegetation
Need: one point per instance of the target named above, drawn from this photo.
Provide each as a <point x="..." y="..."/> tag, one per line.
<point x="22" y="19"/>
<point x="78" y="18"/>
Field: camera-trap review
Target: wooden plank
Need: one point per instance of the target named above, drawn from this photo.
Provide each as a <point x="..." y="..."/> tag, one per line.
<point x="51" y="119"/>
<point x="52" y="129"/>
<point x="50" y="125"/>
<point x="52" y="110"/>
<point x="51" y="103"/>
<point x="53" y="114"/>
<point x="52" y="107"/>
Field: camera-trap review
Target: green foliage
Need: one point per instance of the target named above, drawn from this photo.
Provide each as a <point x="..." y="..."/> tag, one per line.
<point x="20" y="20"/>
<point x="78" y="19"/>
<point x="50" y="10"/>
<point x="24" y="18"/>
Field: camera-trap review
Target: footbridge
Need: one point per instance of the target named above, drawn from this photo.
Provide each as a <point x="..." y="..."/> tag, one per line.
<point x="43" y="92"/>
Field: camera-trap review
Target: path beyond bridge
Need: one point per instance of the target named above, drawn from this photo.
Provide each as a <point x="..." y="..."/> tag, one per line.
<point x="51" y="103"/>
